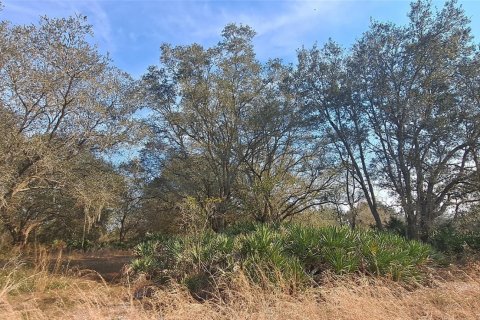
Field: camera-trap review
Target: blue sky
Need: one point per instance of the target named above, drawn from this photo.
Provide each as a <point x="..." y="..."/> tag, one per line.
<point x="131" y="31"/>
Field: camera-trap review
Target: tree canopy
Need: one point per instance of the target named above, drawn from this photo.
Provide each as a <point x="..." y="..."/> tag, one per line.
<point x="228" y="137"/>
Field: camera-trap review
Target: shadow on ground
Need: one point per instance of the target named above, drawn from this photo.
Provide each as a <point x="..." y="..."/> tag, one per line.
<point x="108" y="266"/>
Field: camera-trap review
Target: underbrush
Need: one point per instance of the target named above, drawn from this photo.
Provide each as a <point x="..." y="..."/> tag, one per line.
<point x="455" y="243"/>
<point x="43" y="288"/>
<point x="40" y="272"/>
<point x="289" y="256"/>
<point x="32" y="293"/>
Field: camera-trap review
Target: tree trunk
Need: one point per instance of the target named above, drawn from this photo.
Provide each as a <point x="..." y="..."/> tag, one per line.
<point x="122" y="231"/>
<point x="411" y="225"/>
<point x="12" y="229"/>
<point x="425" y="225"/>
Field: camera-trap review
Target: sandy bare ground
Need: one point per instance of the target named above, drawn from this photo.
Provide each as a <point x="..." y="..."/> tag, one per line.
<point x="109" y="265"/>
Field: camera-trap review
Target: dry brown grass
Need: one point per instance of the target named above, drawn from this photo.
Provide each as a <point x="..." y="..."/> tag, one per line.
<point x="38" y="294"/>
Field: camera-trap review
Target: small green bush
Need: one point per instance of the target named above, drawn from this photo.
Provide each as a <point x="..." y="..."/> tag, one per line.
<point x="265" y="258"/>
<point x="74" y="244"/>
<point x="392" y="255"/>
<point x="396" y="225"/>
<point x="282" y="254"/>
<point x="119" y="245"/>
<point x="241" y="228"/>
<point x="451" y="241"/>
<point x="146" y="248"/>
<point x="305" y="244"/>
<point x="146" y="264"/>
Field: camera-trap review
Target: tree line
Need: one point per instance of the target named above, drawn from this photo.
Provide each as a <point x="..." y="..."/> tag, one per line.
<point x="223" y="136"/>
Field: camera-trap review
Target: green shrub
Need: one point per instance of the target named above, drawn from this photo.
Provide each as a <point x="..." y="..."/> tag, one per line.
<point x="305" y="244"/>
<point x="241" y="228"/>
<point x="146" y="248"/>
<point x="85" y="245"/>
<point x="210" y="252"/>
<point x="340" y="260"/>
<point x="264" y="242"/>
<point x="396" y="226"/>
<point x="451" y="241"/>
<point x="287" y="254"/>
<point x="265" y="258"/>
<point x="473" y="240"/>
<point x="119" y="245"/>
<point x="392" y="255"/>
<point x="447" y="240"/>
<point x="146" y="264"/>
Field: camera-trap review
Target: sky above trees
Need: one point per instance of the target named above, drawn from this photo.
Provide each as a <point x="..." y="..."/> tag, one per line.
<point x="132" y="31"/>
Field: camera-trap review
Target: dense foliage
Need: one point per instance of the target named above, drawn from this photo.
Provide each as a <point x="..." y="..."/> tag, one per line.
<point x="388" y="128"/>
<point x="289" y="255"/>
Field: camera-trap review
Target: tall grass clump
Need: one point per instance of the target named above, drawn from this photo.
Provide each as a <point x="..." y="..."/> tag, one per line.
<point x="287" y="255"/>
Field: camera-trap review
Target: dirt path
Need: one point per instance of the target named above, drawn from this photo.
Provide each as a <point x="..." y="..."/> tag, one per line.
<point x="108" y="265"/>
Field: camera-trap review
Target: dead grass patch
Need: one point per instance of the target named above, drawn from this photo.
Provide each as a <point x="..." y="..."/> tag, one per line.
<point x="451" y="293"/>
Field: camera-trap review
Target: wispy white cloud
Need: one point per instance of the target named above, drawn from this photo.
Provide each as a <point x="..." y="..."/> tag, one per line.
<point x="284" y="32"/>
<point x="99" y="18"/>
<point x="132" y="30"/>
<point x="281" y="25"/>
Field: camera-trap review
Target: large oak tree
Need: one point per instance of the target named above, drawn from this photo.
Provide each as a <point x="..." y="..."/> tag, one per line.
<point x="60" y="99"/>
